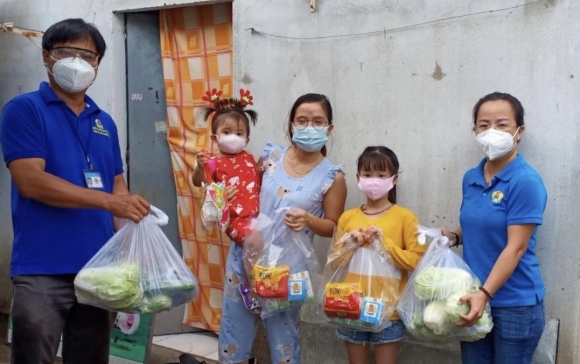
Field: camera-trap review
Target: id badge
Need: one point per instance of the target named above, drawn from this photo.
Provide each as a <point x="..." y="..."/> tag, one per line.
<point x="93" y="179"/>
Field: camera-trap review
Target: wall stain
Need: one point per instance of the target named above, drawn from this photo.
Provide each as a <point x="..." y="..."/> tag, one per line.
<point x="247" y="80"/>
<point x="438" y="73"/>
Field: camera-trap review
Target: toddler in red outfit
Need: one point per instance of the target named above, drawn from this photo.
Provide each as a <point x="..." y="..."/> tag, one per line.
<point x="234" y="166"/>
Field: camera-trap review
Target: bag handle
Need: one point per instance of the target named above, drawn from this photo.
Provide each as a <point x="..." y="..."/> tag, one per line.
<point x="433" y="233"/>
<point x="157" y="216"/>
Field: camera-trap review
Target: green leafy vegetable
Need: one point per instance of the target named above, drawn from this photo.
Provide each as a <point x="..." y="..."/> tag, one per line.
<point x="155" y="304"/>
<point x="439" y="283"/>
<point x="117" y="285"/>
<point x="454" y="309"/>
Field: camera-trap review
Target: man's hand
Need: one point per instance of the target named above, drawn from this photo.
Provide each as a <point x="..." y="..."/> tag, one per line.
<point x="130" y="206"/>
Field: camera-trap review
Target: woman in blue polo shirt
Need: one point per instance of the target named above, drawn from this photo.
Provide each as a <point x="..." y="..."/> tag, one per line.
<point x="503" y="204"/>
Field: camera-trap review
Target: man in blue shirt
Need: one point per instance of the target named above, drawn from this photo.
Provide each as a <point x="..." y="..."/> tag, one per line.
<point x="67" y="188"/>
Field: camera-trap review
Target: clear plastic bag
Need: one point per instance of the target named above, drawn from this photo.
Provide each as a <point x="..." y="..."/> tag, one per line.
<point x="280" y="264"/>
<point x="428" y="306"/>
<point x="360" y="285"/>
<point x="137" y="271"/>
<point x="215" y="208"/>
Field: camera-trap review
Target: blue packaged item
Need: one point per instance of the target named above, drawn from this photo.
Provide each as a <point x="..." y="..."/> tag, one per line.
<point x="371" y="311"/>
<point x="297" y="290"/>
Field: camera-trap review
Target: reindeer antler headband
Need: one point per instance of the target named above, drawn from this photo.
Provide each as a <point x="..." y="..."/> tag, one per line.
<point x="214" y="97"/>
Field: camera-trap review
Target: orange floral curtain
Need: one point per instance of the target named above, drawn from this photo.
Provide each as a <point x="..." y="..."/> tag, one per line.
<point x="196" y="48"/>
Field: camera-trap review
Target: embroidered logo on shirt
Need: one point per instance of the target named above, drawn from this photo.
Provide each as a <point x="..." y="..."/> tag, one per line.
<point x="497" y="196"/>
<point x="99" y="129"/>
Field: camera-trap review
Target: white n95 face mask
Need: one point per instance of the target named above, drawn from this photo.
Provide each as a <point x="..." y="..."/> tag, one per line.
<point x="495" y="143"/>
<point x="73" y="74"/>
<point x="231" y="143"/>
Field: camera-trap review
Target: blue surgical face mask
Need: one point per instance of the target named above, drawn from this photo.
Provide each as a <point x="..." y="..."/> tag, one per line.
<point x="310" y="139"/>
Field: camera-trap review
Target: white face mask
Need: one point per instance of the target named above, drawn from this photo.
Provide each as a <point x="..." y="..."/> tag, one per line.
<point x="495" y="143"/>
<point x="231" y="143"/>
<point x="73" y="74"/>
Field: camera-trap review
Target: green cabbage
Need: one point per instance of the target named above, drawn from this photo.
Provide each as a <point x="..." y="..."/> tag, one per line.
<point x="418" y="329"/>
<point x="117" y="286"/>
<point x="155" y="304"/>
<point x="435" y="318"/>
<point x="175" y="285"/>
<point x="483" y="327"/>
<point x="454" y="310"/>
<point x="435" y="283"/>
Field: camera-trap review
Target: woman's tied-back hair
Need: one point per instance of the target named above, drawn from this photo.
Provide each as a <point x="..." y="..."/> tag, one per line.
<point x="379" y="158"/>
<point x="229" y="108"/>
<point x="308" y="99"/>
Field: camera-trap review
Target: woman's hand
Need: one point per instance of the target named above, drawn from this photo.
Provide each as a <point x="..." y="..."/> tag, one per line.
<point x="477" y="301"/>
<point x="297" y="219"/>
<point x="450" y="235"/>
<point x="231" y="192"/>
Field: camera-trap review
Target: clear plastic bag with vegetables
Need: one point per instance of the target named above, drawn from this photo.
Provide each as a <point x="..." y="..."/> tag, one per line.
<point x="360" y="284"/>
<point x="429" y="306"/>
<point x="137" y="270"/>
<point x="280" y="264"/>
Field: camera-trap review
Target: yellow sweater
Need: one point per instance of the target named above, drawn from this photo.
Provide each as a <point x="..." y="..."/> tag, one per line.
<point x="399" y="226"/>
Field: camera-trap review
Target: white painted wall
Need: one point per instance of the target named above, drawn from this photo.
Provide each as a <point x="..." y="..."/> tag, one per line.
<point x="385" y="89"/>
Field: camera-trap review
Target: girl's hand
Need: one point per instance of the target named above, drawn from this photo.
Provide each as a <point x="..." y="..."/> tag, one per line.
<point x="297" y="219"/>
<point x="201" y="157"/>
<point x="477" y="301"/>
<point x="374" y="232"/>
<point x="231" y="192"/>
<point x="358" y="236"/>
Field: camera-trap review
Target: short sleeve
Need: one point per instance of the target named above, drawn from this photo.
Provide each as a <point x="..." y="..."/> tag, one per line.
<point x="527" y="201"/>
<point x="21" y="134"/>
<point x="332" y="171"/>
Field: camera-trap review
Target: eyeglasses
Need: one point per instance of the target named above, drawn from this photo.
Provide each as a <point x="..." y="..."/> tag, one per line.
<point x="316" y="123"/>
<point x="59" y="53"/>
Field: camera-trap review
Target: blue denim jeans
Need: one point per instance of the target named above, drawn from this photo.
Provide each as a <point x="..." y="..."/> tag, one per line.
<point x="513" y="340"/>
<point x="392" y="334"/>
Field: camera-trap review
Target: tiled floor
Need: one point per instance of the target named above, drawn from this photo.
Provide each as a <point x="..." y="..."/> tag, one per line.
<point x="202" y="344"/>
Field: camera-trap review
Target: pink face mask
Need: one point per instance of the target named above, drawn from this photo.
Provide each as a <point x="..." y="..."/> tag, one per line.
<point x="376" y="188"/>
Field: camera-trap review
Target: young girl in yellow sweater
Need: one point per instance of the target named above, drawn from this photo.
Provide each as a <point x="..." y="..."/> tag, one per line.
<point x="396" y="227"/>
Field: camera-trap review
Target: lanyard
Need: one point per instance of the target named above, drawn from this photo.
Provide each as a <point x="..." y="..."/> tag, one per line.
<point x="86" y="151"/>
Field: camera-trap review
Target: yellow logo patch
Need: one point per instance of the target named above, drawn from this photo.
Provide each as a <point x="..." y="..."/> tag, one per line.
<point x="99" y="129"/>
<point x="497" y="196"/>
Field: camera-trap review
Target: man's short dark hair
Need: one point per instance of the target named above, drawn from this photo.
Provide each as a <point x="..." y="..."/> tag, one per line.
<point x="70" y="30"/>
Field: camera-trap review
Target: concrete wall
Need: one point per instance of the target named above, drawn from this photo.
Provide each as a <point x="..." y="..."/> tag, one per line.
<point x="412" y="89"/>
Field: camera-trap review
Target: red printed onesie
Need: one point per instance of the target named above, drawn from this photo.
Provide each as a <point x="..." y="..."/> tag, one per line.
<point x="240" y="171"/>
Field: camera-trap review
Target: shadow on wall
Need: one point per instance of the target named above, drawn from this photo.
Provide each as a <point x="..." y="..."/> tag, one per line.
<point x="5" y="254"/>
<point x="5" y="240"/>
